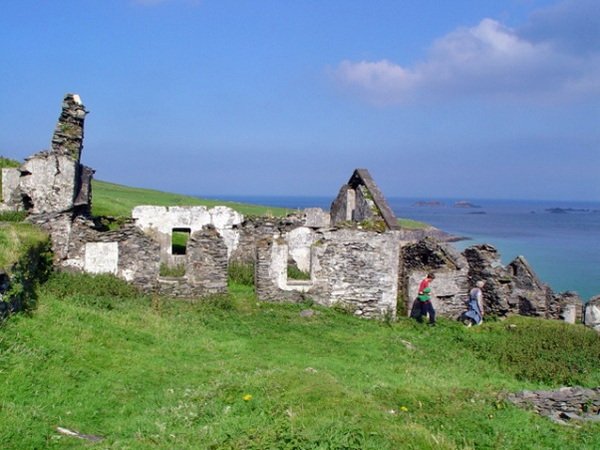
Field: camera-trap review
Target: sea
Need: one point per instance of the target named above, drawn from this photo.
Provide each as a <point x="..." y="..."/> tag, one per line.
<point x="559" y="239"/>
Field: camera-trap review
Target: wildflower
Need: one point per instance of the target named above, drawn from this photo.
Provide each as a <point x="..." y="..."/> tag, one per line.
<point x="247" y="397"/>
<point x="403" y="408"/>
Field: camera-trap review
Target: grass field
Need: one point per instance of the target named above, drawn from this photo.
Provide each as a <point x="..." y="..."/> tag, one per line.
<point x="231" y="373"/>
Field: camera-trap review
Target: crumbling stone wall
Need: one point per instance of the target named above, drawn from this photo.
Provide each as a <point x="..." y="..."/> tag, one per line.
<point x="361" y="200"/>
<point x="54" y="181"/>
<point x="563" y="406"/>
<point x="514" y="289"/>
<point x="451" y="284"/>
<point x="354" y="269"/>
<point x="592" y="313"/>
<point x="511" y="289"/>
<point x="205" y="267"/>
<point x="78" y="243"/>
<point x="160" y="221"/>
<point x="11" y="197"/>
<point x="253" y="229"/>
<point x="137" y="259"/>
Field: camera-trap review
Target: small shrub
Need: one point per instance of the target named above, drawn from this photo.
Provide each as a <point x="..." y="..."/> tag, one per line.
<point x="544" y="351"/>
<point x="32" y="268"/>
<point x="241" y="273"/>
<point x="96" y="301"/>
<point x="67" y="285"/>
<point x="110" y="223"/>
<point x="172" y="271"/>
<point x="13" y="216"/>
<point x="218" y="301"/>
<point x="294" y="273"/>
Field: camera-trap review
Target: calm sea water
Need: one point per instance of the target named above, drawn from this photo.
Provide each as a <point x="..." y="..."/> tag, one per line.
<point x="562" y="247"/>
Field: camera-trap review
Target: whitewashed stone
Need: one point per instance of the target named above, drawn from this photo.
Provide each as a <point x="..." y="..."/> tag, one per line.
<point x="10" y="184"/>
<point x="101" y="257"/>
<point x="569" y="314"/>
<point x="299" y="243"/>
<point x="592" y="313"/>
<point x="357" y="270"/>
<point x="50" y="182"/>
<point x="160" y="221"/>
<point x="316" y="218"/>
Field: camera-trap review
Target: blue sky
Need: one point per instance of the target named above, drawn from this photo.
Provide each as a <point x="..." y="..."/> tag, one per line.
<point x="469" y="99"/>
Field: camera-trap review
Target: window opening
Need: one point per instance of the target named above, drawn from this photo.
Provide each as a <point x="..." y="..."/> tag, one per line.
<point x="179" y="240"/>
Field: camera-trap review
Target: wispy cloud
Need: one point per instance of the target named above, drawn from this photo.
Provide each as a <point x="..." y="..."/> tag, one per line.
<point x="538" y="61"/>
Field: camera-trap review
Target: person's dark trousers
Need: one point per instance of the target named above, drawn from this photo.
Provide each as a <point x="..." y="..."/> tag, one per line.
<point x="427" y="308"/>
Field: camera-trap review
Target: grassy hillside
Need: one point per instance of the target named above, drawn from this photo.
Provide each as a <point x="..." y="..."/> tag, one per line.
<point x="232" y="373"/>
<point x="111" y="199"/>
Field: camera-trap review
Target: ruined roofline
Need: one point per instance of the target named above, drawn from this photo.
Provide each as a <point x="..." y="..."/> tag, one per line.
<point x="362" y="176"/>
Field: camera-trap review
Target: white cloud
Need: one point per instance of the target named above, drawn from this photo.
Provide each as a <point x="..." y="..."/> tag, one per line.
<point x="488" y="59"/>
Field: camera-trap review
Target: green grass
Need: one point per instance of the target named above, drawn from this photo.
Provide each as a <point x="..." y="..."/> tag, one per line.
<point x="412" y="224"/>
<point x="146" y="372"/>
<point x="15" y="239"/>
<point x="111" y="199"/>
<point x="177" y="271"/>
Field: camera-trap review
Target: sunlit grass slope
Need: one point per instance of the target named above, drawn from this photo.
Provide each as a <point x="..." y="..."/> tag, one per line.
<point x="231" y="373"/>
<point x="111" y="199"/>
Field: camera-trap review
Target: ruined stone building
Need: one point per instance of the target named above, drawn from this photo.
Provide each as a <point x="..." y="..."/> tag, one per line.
<point x="356" y="256"/>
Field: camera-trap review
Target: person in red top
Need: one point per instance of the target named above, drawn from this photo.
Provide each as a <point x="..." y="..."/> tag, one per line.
<point x="424" y="300"/>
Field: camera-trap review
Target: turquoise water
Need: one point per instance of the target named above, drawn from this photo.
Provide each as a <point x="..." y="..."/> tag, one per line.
<point x="562" y="247"/>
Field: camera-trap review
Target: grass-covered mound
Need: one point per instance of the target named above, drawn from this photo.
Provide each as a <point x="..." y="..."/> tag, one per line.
<point x="229" y="372"/>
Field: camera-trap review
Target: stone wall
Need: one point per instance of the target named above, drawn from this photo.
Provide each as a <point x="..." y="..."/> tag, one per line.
<point x="80" y="245"/>
<point x="53" y="181"/>
<point x="451" y="284"/>
<point x="253" y="229"/>
<point x="563" y="406"/>
<point x="11" y="197"/>
<point x="160" y="221"/>
<point x="205" y="267"/>
<point x="137" y="258"/>
<point x="356" y="270"/>
<point x="592" y="313"/>
<point x="511" y="289"/>
<point x="361" y="200"/>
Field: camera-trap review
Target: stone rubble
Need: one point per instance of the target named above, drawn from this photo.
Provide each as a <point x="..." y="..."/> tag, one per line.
<point x="563" y="406"/>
